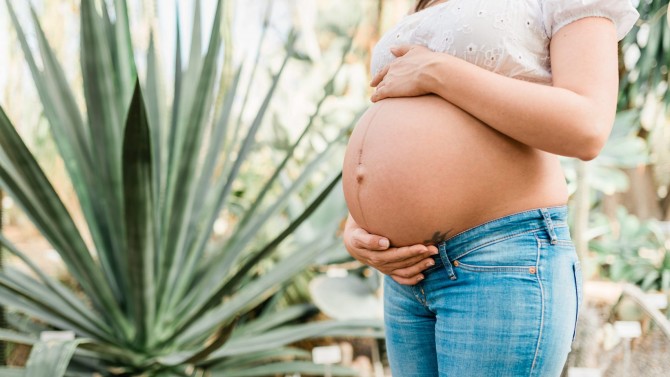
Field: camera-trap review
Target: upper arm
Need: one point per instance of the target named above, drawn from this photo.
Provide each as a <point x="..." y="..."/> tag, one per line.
<point x="584" y="60"/>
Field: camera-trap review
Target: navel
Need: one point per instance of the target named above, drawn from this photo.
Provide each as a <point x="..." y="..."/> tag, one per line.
<point x="360" y="173"/>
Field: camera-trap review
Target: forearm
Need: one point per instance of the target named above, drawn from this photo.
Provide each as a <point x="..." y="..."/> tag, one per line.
<point x="549" y="118"/>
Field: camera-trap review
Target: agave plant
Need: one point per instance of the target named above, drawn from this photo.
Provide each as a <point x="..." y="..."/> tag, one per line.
<point x="156" y="294"/>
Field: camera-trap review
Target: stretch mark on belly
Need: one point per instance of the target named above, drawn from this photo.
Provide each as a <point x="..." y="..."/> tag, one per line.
<point x="360" y="168"/>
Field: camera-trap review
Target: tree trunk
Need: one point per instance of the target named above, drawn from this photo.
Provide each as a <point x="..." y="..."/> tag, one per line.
<point x="582" y="205"/>
<point x="641" y="199"/>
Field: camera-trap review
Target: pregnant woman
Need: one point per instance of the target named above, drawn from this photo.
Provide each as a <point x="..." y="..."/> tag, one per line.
<point x="454" y="186"/>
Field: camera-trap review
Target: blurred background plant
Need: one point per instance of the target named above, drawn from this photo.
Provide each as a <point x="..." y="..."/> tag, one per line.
<point x="190" y="220"/>
<point x="620" y="202"/>
<point x="634" y="251"/>
<point x="620" y="214"/>
<point x="620" y="205"/>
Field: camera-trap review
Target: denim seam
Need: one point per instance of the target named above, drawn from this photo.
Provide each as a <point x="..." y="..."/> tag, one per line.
<point x="539" y="281"/>
<point x="446" y="261"/>
<point x="467" y="267"/>
<point x="416" y="295"/>
<point x="503" y="218"/>
<point x="503" y="238"/>
<point x="576" y="269"/>
<point x="549" y="225"/>
<point x="558" y="242"/>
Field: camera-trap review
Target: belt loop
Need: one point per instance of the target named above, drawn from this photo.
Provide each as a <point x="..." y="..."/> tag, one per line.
<point x="550" y="225"/>
<point x="442" y="247"/>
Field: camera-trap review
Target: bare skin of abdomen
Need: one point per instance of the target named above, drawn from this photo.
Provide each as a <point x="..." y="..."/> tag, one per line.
<point x="420" y="170"/>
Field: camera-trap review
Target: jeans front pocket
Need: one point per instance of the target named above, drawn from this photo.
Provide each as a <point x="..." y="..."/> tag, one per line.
<point x="515" y="253"/>
<point x="577" y="269"/>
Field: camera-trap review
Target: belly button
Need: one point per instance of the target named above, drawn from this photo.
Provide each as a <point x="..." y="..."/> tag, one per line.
<point x="360" y="172"/>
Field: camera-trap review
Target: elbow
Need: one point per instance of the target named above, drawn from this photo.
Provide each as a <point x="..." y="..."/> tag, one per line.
<point x="592" y="126"/>
<point x="591" y="143"/>
<point x="588" y="155"/>
<point x="589" y="149"/>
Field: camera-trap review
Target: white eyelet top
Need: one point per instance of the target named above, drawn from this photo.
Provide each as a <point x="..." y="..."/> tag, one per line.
<point x="509" y="37"/>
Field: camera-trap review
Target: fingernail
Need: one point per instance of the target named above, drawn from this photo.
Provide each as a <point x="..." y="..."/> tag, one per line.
<point x="419" y="278"/>
<point x="384" y="242"/>
<point x="430" y="263"/>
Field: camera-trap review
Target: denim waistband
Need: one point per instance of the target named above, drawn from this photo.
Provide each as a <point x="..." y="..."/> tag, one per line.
<point x="546" y="218"/>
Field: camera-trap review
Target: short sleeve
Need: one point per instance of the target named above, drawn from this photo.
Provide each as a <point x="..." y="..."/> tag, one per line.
<point x="558" y="13"/>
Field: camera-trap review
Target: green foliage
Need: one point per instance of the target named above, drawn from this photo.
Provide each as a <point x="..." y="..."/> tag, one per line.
<point x="632" y="250"/>
<point x="626" y="247"/>
<point x="160" y="294"/>
<point x="624" y="150"/>
<point x="646" y="57"/>
<point x="643" y="87"/>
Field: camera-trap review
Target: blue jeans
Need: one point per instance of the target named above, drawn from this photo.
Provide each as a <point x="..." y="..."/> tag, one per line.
<point x="501" y="300"/>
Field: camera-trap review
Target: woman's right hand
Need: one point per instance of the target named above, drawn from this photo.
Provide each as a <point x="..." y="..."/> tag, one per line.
<point x="402" y="264"/>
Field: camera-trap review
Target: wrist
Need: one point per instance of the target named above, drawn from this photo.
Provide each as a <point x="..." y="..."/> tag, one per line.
<point x="432" y="76"/>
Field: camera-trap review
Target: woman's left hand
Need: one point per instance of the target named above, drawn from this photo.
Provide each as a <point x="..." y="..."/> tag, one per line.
<point x="403" y="76"/>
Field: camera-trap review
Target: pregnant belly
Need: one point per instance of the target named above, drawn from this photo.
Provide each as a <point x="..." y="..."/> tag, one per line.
<point x="419" y="170"/>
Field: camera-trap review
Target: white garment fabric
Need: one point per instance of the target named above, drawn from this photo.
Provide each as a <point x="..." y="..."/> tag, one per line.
<point x="509" y="37"/>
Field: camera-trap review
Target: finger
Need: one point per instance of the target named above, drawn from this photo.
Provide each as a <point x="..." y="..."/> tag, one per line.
<point x="420" y="261"/>
<point x="379" y="94"/>
<point x="400" y="50"/>
<point x="364" y="240"/>
<point x="418" y="249"/>
<point x="398" y="257"/>
<point x="407" y="281"/>
<point x="413" y="270"/>
<point x="379" y="76"/>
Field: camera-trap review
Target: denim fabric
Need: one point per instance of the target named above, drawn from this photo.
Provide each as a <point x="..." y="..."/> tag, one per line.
<point x="502" y="300"/>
